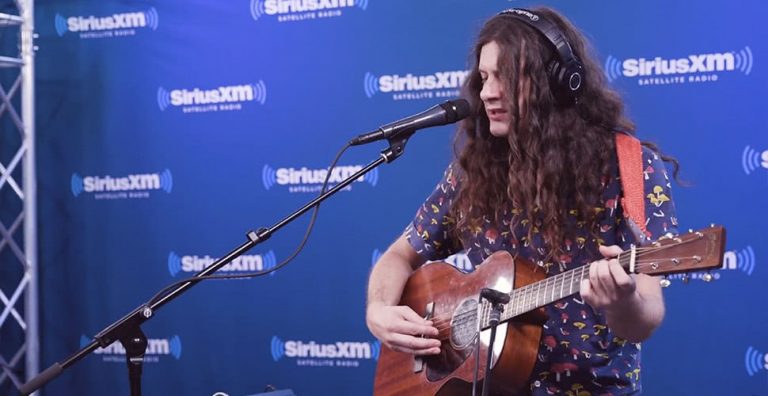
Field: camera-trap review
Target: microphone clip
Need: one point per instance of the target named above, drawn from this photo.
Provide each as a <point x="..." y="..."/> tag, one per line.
<point x="396" y="146"/>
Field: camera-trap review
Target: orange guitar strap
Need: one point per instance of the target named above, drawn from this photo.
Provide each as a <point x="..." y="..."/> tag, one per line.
<point x="630" y="155"/>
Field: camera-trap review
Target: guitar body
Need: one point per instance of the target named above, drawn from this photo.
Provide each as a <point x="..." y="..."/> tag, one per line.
<point x="453" y="295"/>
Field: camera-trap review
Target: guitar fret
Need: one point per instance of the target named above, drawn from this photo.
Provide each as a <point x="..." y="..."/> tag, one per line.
<point x="562" y="283"/>
<point x="525" y="298"/>
<point x="554" y="283"/>
<point x="549" y="281"/>
<point x="518" y="297"/>
<point x="529" y="297"/>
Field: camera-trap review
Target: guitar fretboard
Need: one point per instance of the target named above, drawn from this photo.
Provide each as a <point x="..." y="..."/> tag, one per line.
<point x="538" y="294"/>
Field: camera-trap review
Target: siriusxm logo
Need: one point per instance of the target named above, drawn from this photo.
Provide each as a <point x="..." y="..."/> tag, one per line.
<point x="300" y="10"/>
<point x="742" y="260"/>
<point x="693" y="68"/>
<point x="752" y="160"/>
<point x="311" y="353"/>
<point x="445" y="84"/>
<point x="755" y="361"/>
<point x="130" y="186"/>
<point x="122" y="24"/>
<point x="311" y="180"/>
<point x="223" y="98"/>
<point x="156" y="347"/>
<point x="244" y="263"/>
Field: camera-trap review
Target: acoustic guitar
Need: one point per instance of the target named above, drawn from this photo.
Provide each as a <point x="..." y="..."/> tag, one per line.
<point x="449" y="297"/>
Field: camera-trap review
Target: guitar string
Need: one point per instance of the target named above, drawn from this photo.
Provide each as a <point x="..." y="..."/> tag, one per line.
<point x="525" y="290"/>
<point x="443" y="322"/>
<point x="558" y="279"/>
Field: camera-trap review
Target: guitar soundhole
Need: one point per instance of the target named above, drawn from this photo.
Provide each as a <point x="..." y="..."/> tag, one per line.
<point x="462" y="339"/>
<point x="464" y="324"/>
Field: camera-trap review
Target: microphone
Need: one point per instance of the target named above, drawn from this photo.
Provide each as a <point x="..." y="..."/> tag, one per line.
<point x="442" y="114"/>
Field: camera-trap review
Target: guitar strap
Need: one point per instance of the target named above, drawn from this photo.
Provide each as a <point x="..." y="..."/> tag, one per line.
<point x="630" y="156"/>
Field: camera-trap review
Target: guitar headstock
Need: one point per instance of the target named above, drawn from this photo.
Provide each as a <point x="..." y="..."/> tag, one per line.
<point x="694" y="251"/>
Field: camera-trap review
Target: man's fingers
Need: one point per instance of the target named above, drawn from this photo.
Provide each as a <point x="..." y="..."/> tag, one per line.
<point x="405" y="327"/>
<point x="624" y="283"/>
<point x="413" y="344"/>
<point x="412" y="316"/>
<point x="585" y="290"/>
<point x="610" y="251"/>
<point x="594" y="283"/>
<point x="606" y="279"/>
<point x="415" y="324"/>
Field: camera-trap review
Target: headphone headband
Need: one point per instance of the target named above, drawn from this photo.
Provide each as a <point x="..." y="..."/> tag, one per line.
<point x="567" y="71"/>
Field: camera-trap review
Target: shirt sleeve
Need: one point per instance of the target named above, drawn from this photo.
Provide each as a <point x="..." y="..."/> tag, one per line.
<point x="431" y="233"/>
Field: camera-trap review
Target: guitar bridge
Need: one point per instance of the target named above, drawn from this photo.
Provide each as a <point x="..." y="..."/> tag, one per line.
<point x="418" y="361"/>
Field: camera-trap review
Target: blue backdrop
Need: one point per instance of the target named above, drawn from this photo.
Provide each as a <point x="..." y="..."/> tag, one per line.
<point x="167" y="130"/>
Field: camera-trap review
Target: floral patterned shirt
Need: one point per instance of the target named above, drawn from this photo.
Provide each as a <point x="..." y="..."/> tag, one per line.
<point x="578" y="353"/>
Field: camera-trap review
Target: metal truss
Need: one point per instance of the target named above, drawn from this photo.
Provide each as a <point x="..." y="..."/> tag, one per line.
<point x="19" y="354"/>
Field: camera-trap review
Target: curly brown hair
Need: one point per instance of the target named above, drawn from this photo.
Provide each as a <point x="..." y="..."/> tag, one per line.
<point x="556" y="155"/>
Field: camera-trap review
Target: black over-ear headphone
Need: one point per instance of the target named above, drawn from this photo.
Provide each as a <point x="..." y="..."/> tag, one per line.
<point x="565" y="71"/>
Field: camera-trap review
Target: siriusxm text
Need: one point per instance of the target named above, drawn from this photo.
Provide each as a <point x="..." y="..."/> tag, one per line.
<point x="340" y="350"/>
<point x="116" y="21"/>
<point x="692" y="64"/>
<point x="304" y="175"/>
<point x="226" y="94"/>
<point x="155" y="346"/>
<point x="409" y="82"/>
<point x="242" y="263"/>
<point x="150" y="181"/>
<point x="274" y="7"/>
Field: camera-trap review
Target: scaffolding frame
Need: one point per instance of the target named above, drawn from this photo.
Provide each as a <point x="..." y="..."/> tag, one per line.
<point x="24" y="258"/>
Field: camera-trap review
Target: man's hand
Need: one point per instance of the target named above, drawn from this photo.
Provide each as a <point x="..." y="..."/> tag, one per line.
<point x="608" y="287"/>
<point x="402" y="329"/>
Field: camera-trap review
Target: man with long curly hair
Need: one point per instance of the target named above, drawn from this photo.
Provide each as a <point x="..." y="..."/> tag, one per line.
<point x="537" y="175"/>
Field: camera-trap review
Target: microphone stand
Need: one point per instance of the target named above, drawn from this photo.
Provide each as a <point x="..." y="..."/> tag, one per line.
<point x="127" y="330"/>
<point x="497" y="300"/>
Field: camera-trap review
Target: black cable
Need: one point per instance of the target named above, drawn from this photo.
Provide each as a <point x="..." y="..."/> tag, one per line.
<point x="283" y="263"/>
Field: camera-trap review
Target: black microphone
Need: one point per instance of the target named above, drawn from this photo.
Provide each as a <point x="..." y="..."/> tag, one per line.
<point x="442" y="114"/>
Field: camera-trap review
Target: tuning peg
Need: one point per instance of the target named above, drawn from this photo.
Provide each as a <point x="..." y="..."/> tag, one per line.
<point x="665" y="282"/>
<point x="707" y="277"/>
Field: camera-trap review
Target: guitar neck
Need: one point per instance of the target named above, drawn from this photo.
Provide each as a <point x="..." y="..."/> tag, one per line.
<point x="697" y="250"/>
<point x="538" y="294"/>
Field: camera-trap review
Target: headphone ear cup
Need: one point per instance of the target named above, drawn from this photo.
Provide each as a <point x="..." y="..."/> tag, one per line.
<point x="573" y="78"/>
<point x="555" y="71"/>
<point x="565" y="80"/>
